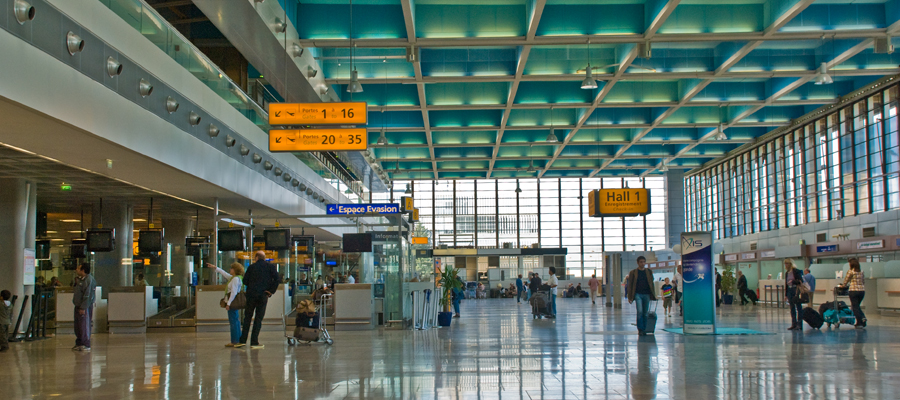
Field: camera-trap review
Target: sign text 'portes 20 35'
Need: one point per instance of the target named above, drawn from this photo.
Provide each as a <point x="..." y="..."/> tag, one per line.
<point x="318" y="114"/>
<point x="317" y="139"/>
<point x="618" y="202"/>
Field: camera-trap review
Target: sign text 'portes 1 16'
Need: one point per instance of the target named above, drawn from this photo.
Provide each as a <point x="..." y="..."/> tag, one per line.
<point x="318" y="113"/>
<point x="619" y="202"/>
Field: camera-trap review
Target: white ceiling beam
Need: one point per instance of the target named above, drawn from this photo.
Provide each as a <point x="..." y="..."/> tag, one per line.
<point x="536" y="9"/>
<point x="597" y="39"/>
<point x="785" y="17"/>
<point x="660" y="18"/>
<point x="537" y="106"/>
<point x="510" y="99"/>
<point x="409" y="19"/>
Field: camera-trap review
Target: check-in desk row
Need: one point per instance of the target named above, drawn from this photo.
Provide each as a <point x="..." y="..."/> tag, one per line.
<point x="211" y="317"/>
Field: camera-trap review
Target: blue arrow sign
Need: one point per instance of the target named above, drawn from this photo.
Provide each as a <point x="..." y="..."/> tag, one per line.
<point x="356" y="209"/>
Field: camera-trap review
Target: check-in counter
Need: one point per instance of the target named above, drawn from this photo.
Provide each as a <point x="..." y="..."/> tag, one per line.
<point x="65" y="311"/>
<point x="213" y="318"/>
<point x="354" y="307"/>
<point x="129" y="308"/>
<point x="888" y="293"/>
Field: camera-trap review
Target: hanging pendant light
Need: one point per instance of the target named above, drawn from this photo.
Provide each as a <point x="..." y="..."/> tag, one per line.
<point x="531" y="166"/>
<point x="518" y="189"/>
<point x="551" y="138"/>
<point x="408" y="189"/>
<point x="721" y="135"/>
<point x="382" y="140"/>
<point x="354" y="86"/>
<point x="665" y="167"/>
<point x="588" y="82"/>
<point x="822" y="77"/>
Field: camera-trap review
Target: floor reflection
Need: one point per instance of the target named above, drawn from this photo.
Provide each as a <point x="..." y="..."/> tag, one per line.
<point x="495" y="351"/>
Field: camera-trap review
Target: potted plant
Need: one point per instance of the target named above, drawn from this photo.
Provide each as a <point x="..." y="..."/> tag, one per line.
<point x="449" y="281"/>
<point x="728" y="284"/>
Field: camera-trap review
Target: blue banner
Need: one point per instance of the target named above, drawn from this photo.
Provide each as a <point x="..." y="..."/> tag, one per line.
<point x="357" y="209"/>
<point x="699" y="283"/>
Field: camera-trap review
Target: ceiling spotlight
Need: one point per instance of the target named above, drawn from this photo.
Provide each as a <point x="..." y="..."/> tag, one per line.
<point x="822" y="77"/>
<point x="354" y="86"/>
<point x="309" y="191"/>
<point x="311" y="73"/>
<point x="280" y="26"/>
<point x="382" y="140"/>
<point x="268" y="166"/>
<point x="518" y="189"/>
<point x="213" y="130"/>
<point x="531" y="166"/>
<point x="294" y="182"/>
<point x="721" y="135"/>
<point x="24" y="11"/>
<point x="194" y="118"/>
<point x="588" y="82"/>
<point x="145" y="87"/>
<point x="279" y="172"/>
<point x="664" y="168"/>
<point x="296" y="50"/>
<point x="244" y="150"/>
<point x="171" y="104"/>
<point x="229" y="141"/>
<point x="551" y="138"/>
<point x="286" y="177"/>
<point x="113" y="67"/>
<point x="74" y="43"/>
<point x="302" y="187"/>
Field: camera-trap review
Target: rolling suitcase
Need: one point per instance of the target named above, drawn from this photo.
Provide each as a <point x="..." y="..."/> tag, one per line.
<point x="650" y="323"/>
<point x="751" y="295"/>
<point x="812" y="317"/>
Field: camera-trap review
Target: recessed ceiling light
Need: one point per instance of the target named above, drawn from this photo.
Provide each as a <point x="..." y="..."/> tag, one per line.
<point x="51" y="232"/>
<point x="139" y="220"/>
<point x="70" y="220"/>
<point x="74" y="231"/>
<point x="57" y="240"/>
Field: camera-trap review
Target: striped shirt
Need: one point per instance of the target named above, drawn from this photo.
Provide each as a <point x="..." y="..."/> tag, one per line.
<point x="857" y="281"/>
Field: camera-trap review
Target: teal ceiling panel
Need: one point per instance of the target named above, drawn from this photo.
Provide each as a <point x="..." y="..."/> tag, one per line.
<point x="457" y="152"/>
<point x="467" y="137"/>
<point x="819" y="17"/>
<point x="715" y="18"/>
<point x="552" y="93"/>
<point x="591" y="19"/>
<point x="589" y="151"/>
<point x="811" y="91"/>
<point x="732" y="91"/>
<point x="445" y="118"/>
<point x="388" y="153"/>
<point x="448" y="62"/>
<point x="473" y="164"/>
<point x="578" y="163"/>
<point x="517" y="164"/>
<point x="332" y="21"/>
<point x="776" y="114"/>
<point x="472" y="20"/>
<point x="542" y="117"/>
<point x="395" y="138"/>
<point x="600" y="135"/>
<point x="466" y="93"/>
<point x="652" y="151"/>
<point x="409" y="166"/>
<point x="537" y="136"/>
<point x="660" y="134"/>
<point x="786" y="56"/>
<point x="613" y="116"/>
<point x="744" y="133"/>
<point x="545" y="60"/>
<point x="676" y="57"/>
<point x="379" y="94"/>
<point x="867" y="59"/>
<point x="526" y="151"/>
<point x="635" y="163"/>
<point x="396" y="119"/>
<point x="643" y="91"/>
<point x="366" y="69"/>
<point x="462" y="174"/>
<point x="696" y="115"/>
<point x="563" y="173"/>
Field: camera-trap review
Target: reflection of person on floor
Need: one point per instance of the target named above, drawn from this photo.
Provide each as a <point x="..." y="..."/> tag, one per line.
<point x="643" y="380"/>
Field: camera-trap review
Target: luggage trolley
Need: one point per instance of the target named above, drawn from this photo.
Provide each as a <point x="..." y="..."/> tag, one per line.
<point x="837" y="315"/>
<point x="324" y="301"/>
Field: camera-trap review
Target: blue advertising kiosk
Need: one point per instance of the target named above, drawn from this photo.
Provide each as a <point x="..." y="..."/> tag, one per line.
<point x="699" y="283"/>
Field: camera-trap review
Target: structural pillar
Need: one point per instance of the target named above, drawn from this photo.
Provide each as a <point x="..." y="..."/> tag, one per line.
<point x="18" y="209"/>
<point x="176" y="231"/>
<point x="114" y="268"/>
<point x="675" y="216"/>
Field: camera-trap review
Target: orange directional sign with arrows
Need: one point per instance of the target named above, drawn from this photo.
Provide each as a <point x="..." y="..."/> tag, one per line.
<point x="318" y="113"/>
<point x="317" y="139"/>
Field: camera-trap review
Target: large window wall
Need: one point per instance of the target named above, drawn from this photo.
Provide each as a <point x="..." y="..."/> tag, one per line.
<point x="841" y="164"/>
<point x="488" y="213"/>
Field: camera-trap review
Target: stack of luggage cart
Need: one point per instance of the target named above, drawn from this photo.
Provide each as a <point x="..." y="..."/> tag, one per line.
<point x="837" y="312"/>
<point x="310" y="322"/>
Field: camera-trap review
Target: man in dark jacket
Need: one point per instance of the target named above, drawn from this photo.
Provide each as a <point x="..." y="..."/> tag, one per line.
<point x="83" y="298"/>
<point x="640" y="290"/>
<point x="742" y="287"/>
<point x="261" y="280"/>
<point x="718" y="288"/>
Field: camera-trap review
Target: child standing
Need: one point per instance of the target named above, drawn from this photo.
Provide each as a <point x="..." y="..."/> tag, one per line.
<point x="5" y="319"/>
<point x="667" y="292"/>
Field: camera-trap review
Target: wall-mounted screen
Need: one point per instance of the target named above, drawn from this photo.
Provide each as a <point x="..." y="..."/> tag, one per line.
<point x="150" y="240"/>
<point x="357" y="243"/>
<point x="101" y="240"/>
<point x="232" y="240"/>
<point x="277" y="239"/>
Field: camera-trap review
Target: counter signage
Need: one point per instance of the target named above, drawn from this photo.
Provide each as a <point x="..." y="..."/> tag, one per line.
<point x="289" y="140"/>
<point x="415" y="215"/>
<point x="731" y="257"/>
<point x="619" y="202"/>
<point x="872" y="244"/>
<point x="358" y="209"/>
<point x="767" y="254"/>
<point x="318" y="113"/>
<point x="827" y="249"/>
<point x="748" y="256"/>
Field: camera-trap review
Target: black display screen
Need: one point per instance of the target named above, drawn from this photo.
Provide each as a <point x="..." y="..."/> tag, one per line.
<point x="150" y="241"/>
<point x="277" y="239"/>
<point x="357" y="243"/>
<point x="101" y="240"/>
<point x="232" y="240"/>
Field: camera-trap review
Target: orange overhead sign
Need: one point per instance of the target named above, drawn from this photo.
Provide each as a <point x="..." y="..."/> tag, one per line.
<point x="318" y="113"/>
<point x="619" y="202"/>
<point x="317" y="139"/>
<point x="420" y="240"/>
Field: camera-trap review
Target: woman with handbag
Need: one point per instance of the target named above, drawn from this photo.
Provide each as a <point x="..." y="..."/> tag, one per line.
<point x="793" y="279"/>
<point x="233" y="301"/>
<point x="855" y="282"/>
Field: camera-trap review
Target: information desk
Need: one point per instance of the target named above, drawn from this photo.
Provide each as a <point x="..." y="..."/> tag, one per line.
<point x="213" y="318"/>
<point x="65" y="311"/>
<point x="354" y="307"/>
<point x="129" y="308"/>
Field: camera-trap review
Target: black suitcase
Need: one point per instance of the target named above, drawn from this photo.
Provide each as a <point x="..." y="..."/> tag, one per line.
<point x="752" y="296"/>
<point x="812" y="317"/>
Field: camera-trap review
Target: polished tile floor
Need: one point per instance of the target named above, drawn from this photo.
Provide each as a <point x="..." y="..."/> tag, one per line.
<point x="494" y="351"/>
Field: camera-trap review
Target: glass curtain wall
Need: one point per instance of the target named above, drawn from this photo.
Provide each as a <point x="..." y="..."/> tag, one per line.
<point x="488" y="213"/>
<point x="841" y="164"/>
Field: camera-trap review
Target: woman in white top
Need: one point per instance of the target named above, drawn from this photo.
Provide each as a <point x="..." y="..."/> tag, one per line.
<point x="235" y="284"/>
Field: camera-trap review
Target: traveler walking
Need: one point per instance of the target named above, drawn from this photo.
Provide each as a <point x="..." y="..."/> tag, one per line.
<point x="793" y="278"/>
<point x="5" y="319"/>
<point x="261" y="280"/>
<point x="855" y="282"/>
<point x="742" y="287"/>
<point x="811" y="281"/>
<point x="520" y="288"/>
<point x="667" y="293"/>
<point x="83" y="299"/>
<point x="594" y="284"/>
<point x="553" y="282"/>
<point x="640" y="291"/>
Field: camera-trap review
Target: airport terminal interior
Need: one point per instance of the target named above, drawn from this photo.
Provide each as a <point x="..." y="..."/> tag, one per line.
<point x="449" y="199"/>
